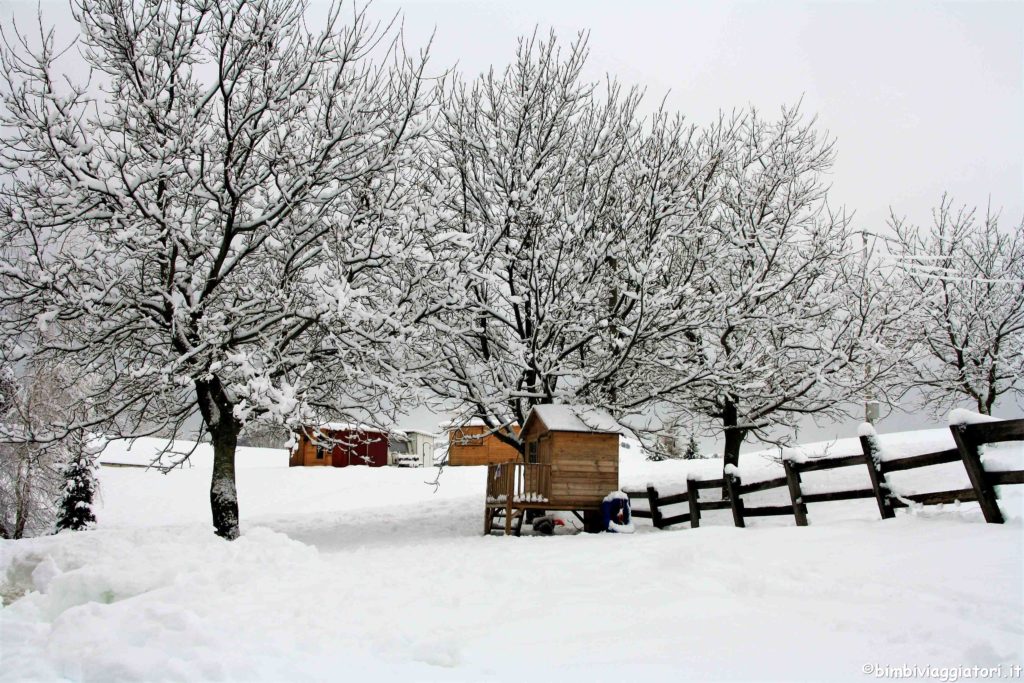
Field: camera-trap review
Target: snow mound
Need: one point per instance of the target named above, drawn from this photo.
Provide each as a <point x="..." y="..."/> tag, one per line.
<point x="140" y="606"/>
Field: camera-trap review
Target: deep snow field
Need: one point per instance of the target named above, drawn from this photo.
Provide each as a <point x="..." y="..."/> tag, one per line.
<point x="361" y="574"/>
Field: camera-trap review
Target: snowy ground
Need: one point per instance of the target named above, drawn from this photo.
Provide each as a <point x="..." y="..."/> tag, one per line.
<point x="368" y="574"/>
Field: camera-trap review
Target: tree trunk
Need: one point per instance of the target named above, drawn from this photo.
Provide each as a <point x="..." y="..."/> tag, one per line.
<point x="514" y="442"/>
<point x="733" y="438"/>
<point x="24" y="497"/>
<point x="985" y="402"/>
<point x="223" y="495"/>
<point x="218" y="412"/>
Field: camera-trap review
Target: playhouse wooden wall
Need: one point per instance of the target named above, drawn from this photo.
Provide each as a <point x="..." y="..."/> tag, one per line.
<point x="304" y="454"/>
<point x="463" y="449"/>
<point x="584" y="465"/>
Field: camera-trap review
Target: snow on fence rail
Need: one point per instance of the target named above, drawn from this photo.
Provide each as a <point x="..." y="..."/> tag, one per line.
<point x="969" y="437"/>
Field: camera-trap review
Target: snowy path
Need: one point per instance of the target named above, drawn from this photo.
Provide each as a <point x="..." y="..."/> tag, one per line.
<point x="369" y="575"/>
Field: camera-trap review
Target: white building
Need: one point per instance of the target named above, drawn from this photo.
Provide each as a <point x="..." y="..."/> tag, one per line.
<point x="411" y="448"/>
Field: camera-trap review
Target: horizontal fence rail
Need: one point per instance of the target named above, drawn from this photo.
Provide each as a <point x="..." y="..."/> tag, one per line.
<point x="969" y="439"/>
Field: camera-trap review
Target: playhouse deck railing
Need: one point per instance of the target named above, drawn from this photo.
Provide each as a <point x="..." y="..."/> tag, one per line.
<point x="517" y="482"/>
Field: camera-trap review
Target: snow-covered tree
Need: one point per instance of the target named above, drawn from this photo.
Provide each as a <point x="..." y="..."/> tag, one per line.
<point x="692" y="450"/>
<point x="666" y="447"/>
<point x="572" y="218"/>
<point x="225" y="223"/>
<point x="966" y="276"/>
<point x="74" y="510"/>
<point x="29" y="483"/>
<point x="8" y="390"/>
<point x="31" y="469"/>
<point x="263" y="435"/>
<point x="800" y="320"/>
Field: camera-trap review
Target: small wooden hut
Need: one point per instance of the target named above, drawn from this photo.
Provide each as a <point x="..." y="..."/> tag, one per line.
<point x="570" y="462"/>
<point x="340" y="445"/>
<point x="474" y="443"/>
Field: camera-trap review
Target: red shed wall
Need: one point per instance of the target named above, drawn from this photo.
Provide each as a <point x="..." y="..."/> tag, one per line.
<point x="367" y="448"/>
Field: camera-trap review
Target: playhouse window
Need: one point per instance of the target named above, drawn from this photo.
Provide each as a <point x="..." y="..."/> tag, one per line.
<point x="319" y="452"/>
<point x="531" y="452"/>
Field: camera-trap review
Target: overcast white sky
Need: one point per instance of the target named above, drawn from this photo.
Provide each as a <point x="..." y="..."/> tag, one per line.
<point x="923" y="97"/>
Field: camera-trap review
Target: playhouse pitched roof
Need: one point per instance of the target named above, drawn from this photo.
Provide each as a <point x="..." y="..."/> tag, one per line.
<point x="574" y="418"/>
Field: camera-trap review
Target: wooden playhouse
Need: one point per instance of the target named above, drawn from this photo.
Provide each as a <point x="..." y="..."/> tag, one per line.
<point x="570" y="463"/>
<point x="474" y="443"/>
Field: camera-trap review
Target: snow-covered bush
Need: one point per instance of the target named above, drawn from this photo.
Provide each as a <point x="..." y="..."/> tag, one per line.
<point x="666" y="448"/>
<point x="74" y="510"/>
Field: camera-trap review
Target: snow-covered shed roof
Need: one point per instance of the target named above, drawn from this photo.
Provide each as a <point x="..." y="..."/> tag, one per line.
<point x="424" y="432"/>
<point x="352" y="427"/>
<point x="574" y="418"/>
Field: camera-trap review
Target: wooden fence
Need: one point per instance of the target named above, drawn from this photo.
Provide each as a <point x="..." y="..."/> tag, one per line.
<point x="968" y="438"/>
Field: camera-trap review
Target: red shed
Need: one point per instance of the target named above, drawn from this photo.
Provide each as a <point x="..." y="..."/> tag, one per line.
<point x="340" y="445"/>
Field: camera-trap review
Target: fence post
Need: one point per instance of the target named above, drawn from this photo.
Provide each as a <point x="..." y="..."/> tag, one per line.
<point x="878" y="483"/>
<point x="693" y="498"/>
<point x="493" y="485"/>
<point x="968" y="448"/>
<point x="795" y="494"/>
<point x="510" y="487"/>
<point x="732" y="487"/>
<point x="652" y="498"/>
